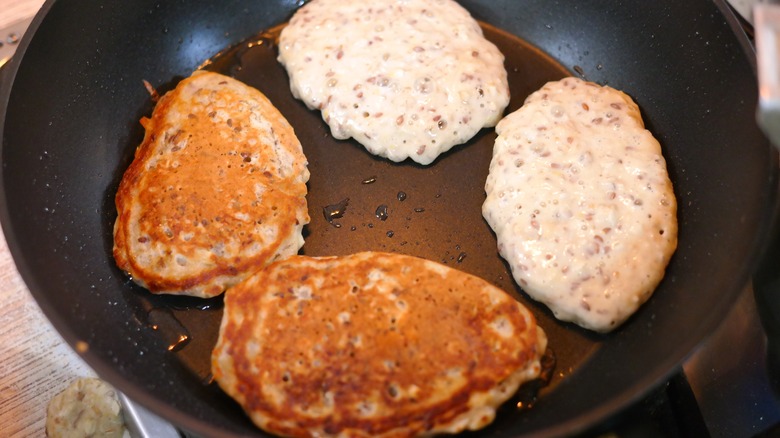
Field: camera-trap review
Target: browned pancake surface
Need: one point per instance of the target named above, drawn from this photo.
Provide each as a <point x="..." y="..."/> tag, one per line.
<point x="372" y="344"/>
<point x="216" y="190"/>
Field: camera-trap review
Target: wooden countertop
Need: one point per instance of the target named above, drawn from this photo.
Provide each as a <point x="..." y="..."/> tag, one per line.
<point x="35" y="363"/>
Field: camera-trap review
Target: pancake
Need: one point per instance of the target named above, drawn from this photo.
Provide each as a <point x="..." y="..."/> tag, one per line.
<point x="372" y="344"/>
<point x="215" y="191"/>
<point x="581" y="203"/>
<point x="405" y="79"/>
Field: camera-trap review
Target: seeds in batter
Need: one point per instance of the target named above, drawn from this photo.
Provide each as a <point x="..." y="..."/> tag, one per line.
<point x="406" y="79"/>
<point x="581" y="203"/>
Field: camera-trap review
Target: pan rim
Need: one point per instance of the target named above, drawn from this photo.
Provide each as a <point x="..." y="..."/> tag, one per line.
<point x="583" y="422"/>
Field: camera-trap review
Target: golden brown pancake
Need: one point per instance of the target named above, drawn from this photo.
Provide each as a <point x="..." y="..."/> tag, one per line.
<point x="372" y="344"/>
<point x="216" y="190"/>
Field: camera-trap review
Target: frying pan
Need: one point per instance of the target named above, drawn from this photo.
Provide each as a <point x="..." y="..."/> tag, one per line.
<point x="73" y="96"/>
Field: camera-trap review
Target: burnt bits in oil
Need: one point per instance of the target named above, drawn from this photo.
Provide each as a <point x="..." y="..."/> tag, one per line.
<point x="174" y="334"/>
<point x="335" y="211"/>
<point x="381" y="212"/>
<point x="526" y="395"/>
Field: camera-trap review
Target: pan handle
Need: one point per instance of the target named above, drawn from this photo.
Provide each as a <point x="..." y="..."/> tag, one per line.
<point x="766" y="279"/>
<point x="766" y="17"/>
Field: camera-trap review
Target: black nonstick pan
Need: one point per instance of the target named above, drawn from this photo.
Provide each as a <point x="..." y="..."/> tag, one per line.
<point x="73" y="95"/>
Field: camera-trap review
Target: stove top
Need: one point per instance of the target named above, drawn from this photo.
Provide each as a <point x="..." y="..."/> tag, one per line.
<point x="724" y="390"/>
<point x="730" y="377"/>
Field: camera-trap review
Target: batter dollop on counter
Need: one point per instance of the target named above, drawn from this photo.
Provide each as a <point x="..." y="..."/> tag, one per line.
<point x="406" y="79"/>
<point x="581" y="202"/>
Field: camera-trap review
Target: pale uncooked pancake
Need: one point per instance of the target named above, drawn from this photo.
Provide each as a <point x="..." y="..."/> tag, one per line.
<point x="581" y="202"/>
<point x="406" y="79"/>
<point x="372" y="344"/>
<point x="216" y="190"/>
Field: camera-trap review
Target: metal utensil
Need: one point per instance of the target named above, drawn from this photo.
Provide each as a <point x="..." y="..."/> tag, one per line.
<point x="141" y="423"/>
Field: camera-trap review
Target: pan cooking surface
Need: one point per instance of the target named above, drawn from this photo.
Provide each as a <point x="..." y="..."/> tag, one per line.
<point x="69" y="133"/>
<point x="438" y="214"/>
<point x="360" y="202"/>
